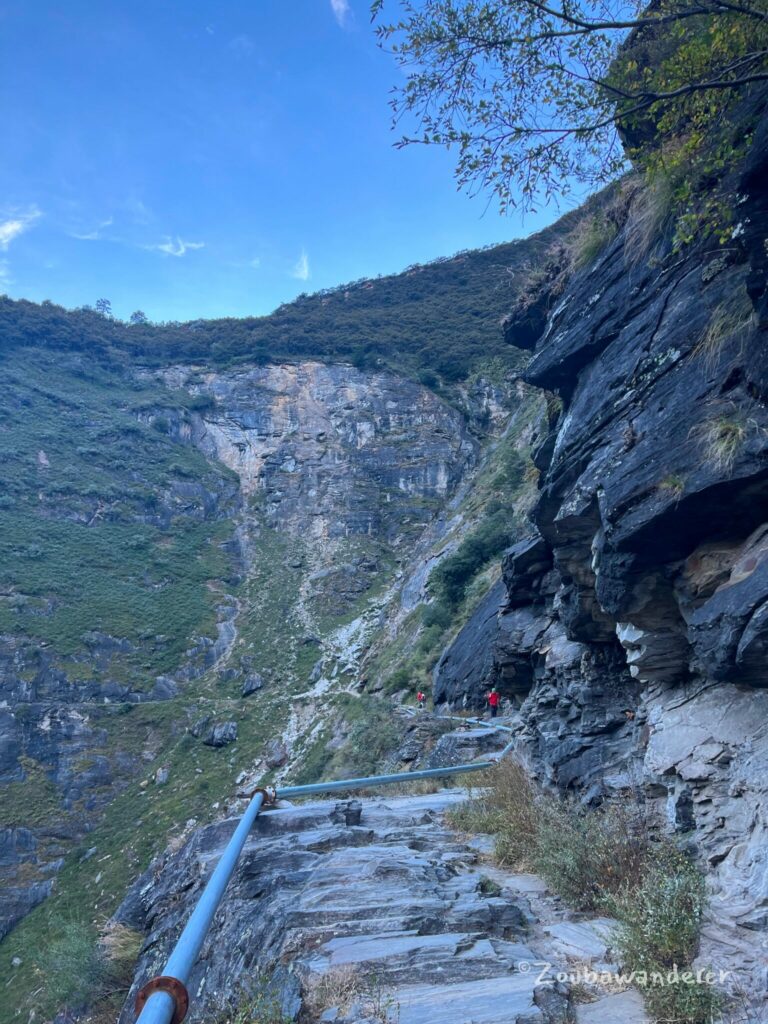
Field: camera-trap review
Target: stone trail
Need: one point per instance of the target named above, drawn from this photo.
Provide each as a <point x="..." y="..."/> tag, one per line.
<point x="396" y="919"/>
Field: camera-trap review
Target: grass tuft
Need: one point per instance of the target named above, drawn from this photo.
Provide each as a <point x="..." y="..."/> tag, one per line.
<point x="729" y="321"/>
<point x="722" y="438"/>
<point x="590" y="238"/>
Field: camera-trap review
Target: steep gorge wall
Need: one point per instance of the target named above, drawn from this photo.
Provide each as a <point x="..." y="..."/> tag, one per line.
<point x="317" y="481"/>
<point x="633" y="628"/>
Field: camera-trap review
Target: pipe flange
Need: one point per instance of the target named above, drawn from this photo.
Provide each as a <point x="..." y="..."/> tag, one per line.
<point x="175" y="989"/>
<point x="268" y="792"/>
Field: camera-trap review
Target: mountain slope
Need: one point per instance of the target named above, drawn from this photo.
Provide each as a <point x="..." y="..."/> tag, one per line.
<point x="200" y="557"/>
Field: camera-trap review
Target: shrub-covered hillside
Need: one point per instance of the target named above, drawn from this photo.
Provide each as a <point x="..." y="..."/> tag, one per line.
<point x="440" y="318"/>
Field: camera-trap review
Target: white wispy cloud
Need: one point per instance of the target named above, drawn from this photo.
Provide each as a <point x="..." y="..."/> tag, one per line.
<point x="241" y="45"/>
<point x="301" y="269"/>
<point x="175" y="247"/>
<point x="95" y="233"/>
<point x="16" y="225"/>
<point x="341" y="11"/>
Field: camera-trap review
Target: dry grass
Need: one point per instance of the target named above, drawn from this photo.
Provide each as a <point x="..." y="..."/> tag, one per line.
<point x="600" y="860"/>
<point x="730" y="321"/>
<point x="722" y="438"/>
<point x="345" y="988"/>
<point x="507" y="808"/>
<point x="581" y="854"/>
<point x="589" y="238"/>
<point x="340" y="987"/>
<point x="419" y="787"/>
<point x="119" y="946"/>
<point x="651" y="210"/>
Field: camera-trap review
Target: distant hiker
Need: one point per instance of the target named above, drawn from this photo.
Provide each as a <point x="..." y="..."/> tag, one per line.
<point x="420" y="699"/>
<point x="493" y="702"/>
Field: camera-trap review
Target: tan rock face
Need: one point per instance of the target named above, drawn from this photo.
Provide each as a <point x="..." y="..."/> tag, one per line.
<point x="328" y="451"/>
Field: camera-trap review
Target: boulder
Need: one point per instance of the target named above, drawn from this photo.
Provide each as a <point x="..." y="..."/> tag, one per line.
<point x="220" y="734"/>
<point x="252" y="683"/>
<point x="276" y="753"/>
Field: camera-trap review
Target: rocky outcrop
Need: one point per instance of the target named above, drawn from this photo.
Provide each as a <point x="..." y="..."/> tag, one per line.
<point x="633" y="631"/>
<point x="344" y="461"/>
<point x="467" y="667"/>
<point x="18" y="848"/>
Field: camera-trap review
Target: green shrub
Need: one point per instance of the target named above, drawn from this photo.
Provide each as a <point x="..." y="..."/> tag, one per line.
<point x="449" y="580"/>
<point x="371" y="741"/>
<point x="512" y="467"/>
<point x="661" y="917"/>
<point x="401" y="679"/>
<point x="200" y="403"/>
<point x="429" y="645"/>
<point x="436" y="614"/>
<point x="583" y="855"/>
<point x="658" y="931"/>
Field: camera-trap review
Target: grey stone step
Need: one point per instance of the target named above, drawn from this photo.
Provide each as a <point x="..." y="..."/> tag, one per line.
<point x="620" y="1008"/>
<point x="507" y="1000"/>
<point x="583" y="940"/>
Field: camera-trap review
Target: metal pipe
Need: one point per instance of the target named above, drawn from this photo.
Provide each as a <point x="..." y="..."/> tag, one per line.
<point x="477" y="721"/>
<point x="160" y="1006"/>
<point x="381" y="780"/>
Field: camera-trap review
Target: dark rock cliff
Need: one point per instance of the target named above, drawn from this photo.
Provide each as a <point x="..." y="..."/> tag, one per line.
<point x="633" y="628"/>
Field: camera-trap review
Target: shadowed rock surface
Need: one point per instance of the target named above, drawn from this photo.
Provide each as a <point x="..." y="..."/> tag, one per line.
<point x="632" y="636"/>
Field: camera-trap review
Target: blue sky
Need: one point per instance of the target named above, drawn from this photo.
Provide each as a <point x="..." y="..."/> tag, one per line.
<point x="197" y="159"/>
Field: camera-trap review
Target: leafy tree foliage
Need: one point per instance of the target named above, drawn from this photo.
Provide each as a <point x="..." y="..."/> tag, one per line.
<point x="138" y="317"/>
<point x="536" y="96"/>
<point x="104" y="307"/>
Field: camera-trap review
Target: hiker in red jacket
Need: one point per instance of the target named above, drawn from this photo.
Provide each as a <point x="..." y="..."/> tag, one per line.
<point x="493" y="702"/>
<point x="420" y="699"/>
